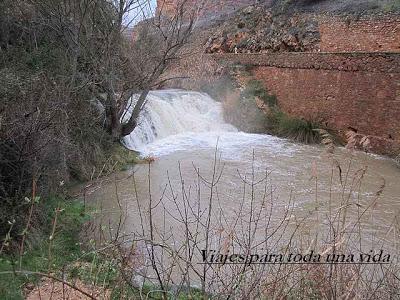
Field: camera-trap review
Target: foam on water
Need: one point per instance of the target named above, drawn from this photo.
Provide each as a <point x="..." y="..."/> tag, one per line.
<point x="172" y="112"/>
<point x="177" y="120"/>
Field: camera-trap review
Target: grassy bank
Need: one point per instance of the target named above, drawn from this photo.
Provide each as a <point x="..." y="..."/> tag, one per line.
<point x="53" y="243"/>
<point x="57" y="254"/>
<point x="60" y="110"/>
<point x="62" y="256"/>
<point x="47" y="251"/>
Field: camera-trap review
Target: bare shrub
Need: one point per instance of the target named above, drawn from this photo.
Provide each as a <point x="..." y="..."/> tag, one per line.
<point x="163" y="255"/>
<point x="67" y="76"/>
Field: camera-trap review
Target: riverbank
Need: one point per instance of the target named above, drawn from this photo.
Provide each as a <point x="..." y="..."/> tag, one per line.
<point x="61" y="258"/>
<point x="62" y="261"/>
<point x="53" y="246"/>
<point x="49" y="250"/>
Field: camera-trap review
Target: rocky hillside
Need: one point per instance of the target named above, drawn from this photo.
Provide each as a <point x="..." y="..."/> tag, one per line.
<point x="335" y="6"/>
<point x="254" y="26"/>
<point x="257" y="29"/>
<point x="211" y="8"/>
<point x="287" y="26"/>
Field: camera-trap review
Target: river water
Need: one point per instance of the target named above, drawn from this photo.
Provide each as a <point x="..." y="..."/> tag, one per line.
<point x="261" y="188"/>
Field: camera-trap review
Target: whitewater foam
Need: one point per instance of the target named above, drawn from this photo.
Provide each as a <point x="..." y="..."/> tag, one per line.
<point x="173" y="112"/>
<point x="177" y="120"/>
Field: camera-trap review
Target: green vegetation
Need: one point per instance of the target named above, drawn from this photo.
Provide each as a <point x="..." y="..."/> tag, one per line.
<point x="297" y="129"/>
<point x="122" y="157"/>
<point x="68" y="72"/>
<point x="50" y="129"/>
<point x="55" y="66"/>
<point x="59" y="81"/>
<point x="65" y="247"/>
<point x="69" y="258"/>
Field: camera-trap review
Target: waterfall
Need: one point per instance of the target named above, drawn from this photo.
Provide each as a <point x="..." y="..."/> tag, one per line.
<point x="173" y="112"/>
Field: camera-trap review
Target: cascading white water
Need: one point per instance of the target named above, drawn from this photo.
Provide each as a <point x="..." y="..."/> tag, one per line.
<point x="173" y="112"/>
<point x="185" y="133"/>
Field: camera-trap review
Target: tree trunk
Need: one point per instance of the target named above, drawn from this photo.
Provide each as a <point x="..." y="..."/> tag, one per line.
<point x="128" y="127"/>
<point x="113" y="123"/>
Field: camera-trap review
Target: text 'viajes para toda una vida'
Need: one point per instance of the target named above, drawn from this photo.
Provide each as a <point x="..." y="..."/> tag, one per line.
<point x="311" y="257"/>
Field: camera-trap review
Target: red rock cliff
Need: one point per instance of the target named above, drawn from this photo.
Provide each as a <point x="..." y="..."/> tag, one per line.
<point x="205" y="7"/>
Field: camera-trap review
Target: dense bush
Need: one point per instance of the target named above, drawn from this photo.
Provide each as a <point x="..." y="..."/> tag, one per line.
<point x="299" y="130"/>
<point x="50" y="128"/>
<point x="67" y="73"/>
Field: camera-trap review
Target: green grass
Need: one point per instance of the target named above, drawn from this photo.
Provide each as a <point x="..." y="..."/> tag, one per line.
<point x="122" y="157"/>
<point x="65" y="247"/>
<point x="106" y="159"/>
<point x="275" y="121"/>
<point x="70" y="255"/>
<point x="297" y="129"/>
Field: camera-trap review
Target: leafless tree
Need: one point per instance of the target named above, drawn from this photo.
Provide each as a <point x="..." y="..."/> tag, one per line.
<point x="68" y="75"/>
<point x="135" y="67"/>
<point x="107" y="62"/>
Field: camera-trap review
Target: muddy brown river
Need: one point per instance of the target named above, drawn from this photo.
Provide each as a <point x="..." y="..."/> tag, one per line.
<point x="208" y="186"/>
